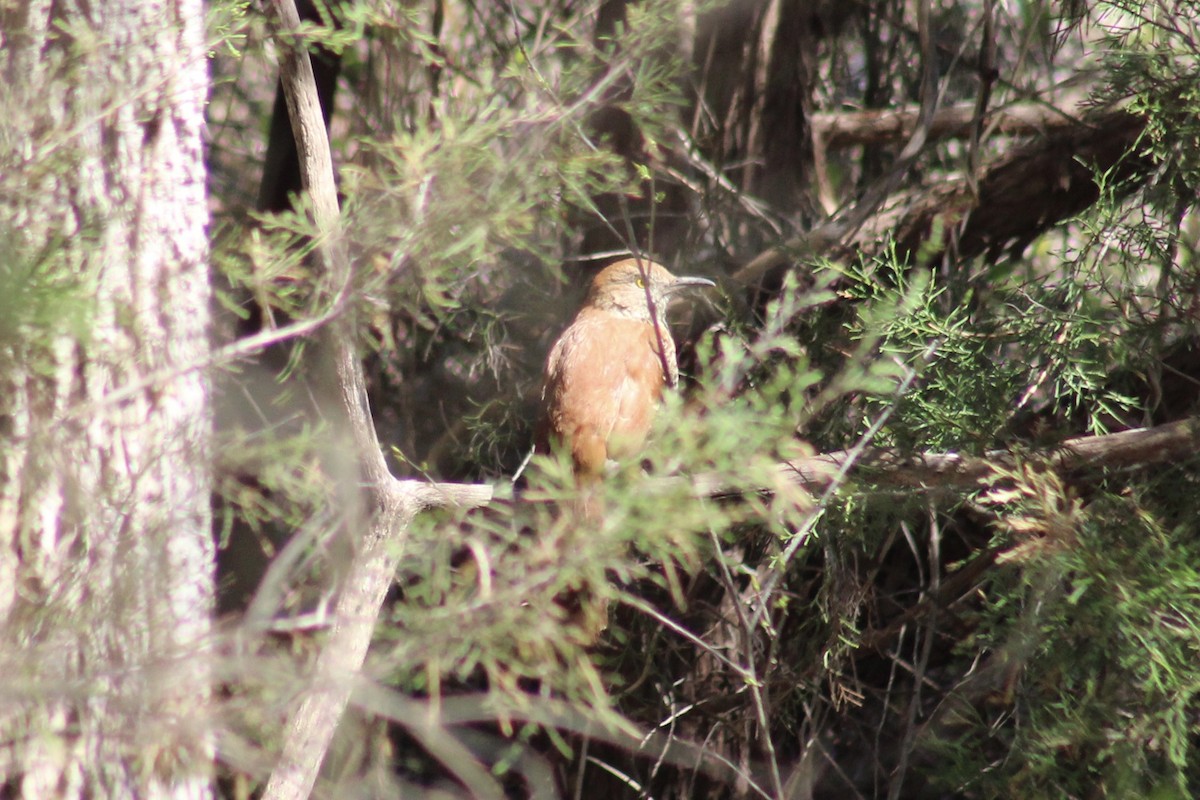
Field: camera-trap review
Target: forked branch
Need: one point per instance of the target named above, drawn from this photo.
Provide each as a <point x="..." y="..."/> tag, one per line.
<point x="381" y="513"/>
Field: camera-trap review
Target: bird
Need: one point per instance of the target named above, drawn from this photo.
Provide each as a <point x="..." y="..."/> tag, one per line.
<point x="605" y="375"/>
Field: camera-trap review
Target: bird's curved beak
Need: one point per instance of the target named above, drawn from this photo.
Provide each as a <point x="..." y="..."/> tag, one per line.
<point x="687" y="282"/>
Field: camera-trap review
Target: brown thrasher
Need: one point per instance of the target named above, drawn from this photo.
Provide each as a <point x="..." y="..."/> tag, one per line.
<point x="605" y="375"/>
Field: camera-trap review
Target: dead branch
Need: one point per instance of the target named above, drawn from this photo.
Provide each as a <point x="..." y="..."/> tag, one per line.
<point x="1174" y="441"/>
<point x="1023" y="194"/>
<point x="1019" y="196"/>
<point x="876" y="127"/>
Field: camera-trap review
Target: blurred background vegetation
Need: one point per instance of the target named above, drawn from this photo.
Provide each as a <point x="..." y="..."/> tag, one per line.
<point x="963" y="226"/>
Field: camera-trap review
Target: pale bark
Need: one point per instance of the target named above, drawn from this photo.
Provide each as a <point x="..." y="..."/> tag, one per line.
<point x="106" y="550"/>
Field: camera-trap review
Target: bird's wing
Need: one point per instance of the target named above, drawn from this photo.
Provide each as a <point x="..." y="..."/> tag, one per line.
<point x="581" y="403"/>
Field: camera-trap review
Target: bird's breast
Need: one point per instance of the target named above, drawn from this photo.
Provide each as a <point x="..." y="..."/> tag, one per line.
<point x="603" y="383"/>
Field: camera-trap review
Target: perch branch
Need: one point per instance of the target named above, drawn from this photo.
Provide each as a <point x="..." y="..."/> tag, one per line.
<point x="1138" y="447"/>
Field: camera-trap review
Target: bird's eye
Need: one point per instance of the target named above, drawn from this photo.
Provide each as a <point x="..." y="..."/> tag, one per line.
<point x="641" y="283"/>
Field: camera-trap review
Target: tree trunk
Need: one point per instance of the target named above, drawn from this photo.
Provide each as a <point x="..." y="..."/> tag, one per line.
<point x="106" y="549"/>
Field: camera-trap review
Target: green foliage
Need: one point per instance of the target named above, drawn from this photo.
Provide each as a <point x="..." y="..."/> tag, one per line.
<point x="37" y="295"/>
<point x="1094" y="623"/>
<point x="1153" y="60"/>
<point x="986" y="356"/>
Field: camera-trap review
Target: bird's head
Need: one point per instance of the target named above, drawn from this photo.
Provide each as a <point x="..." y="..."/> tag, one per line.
<point x="637" y="288"/>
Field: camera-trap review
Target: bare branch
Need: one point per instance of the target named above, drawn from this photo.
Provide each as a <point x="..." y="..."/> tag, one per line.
<point x="843" y="129"/>
<point x="1174" y="441"/>
<point x="386" y="506"/>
